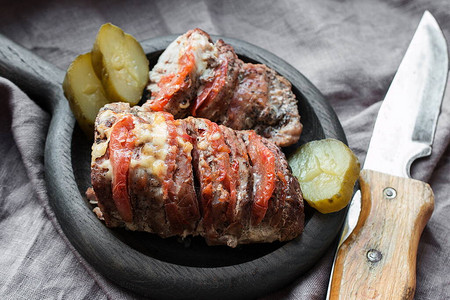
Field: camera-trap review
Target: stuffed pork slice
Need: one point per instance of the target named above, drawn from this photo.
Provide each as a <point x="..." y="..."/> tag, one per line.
<point x="247" y="193"/>
<point x="214" y="94"/>
<point x="264" y="101"/>
<point x="133" y="164"/>
<point x="101" y="167"/>
<point x="217" y="185"/>
<point x="195" y="77"/>
<point x="168" y="148"/>
<point x="277" y="209"/>
<point x="176" y="76"/>
<point x="287" y="197"/>
<point x="240" y="212"/>
<point x="192" y="177"/>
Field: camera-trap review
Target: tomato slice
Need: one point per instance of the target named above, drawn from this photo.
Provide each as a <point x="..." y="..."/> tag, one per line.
<point x="222" y="173"/>
<point x="171" y="83"/>
<point x="263" y="161"/>
<point x="221" y="156"/>
<point x="121" y="144"/>
<point x="211" y="89"/>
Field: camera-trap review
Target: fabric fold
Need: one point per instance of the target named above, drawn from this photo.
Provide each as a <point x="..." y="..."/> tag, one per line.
<point x="349" y="49"/>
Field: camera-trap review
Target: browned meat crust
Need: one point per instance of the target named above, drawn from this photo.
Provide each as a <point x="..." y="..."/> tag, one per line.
<point x="214" y="96"/>
<point x="160" y="178"/>
<point x="212" y="169"/>
<point x="222" y="170"/>
<point x="284" y="211"/>
<point x="169" y="157"/>
<point x="101" y="181"/>
<point x="174" y="80"/>
<point x="250" y="97"/>
<point x="223" y="89"/>
<point x="264" y="101"/>
<point x="241" y="171"/>
<point x="284" y="218"/>
<point x="181" y="201"/>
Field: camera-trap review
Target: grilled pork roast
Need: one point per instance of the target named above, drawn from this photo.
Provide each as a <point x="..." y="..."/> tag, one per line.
<point x="197" y="77"/>
<point x="191" y="176"/>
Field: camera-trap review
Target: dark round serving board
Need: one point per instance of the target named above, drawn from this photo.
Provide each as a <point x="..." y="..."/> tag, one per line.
<point x="145" y="263"/>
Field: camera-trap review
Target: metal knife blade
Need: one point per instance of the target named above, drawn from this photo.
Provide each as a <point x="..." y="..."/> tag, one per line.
<point x="404" y="131"/>
<point x="406" y="122"/>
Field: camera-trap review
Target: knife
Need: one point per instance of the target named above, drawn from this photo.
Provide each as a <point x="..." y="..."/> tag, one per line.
<point x="376" y="256"/>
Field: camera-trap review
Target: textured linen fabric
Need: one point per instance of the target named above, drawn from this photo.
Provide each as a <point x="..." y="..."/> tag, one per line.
<point x="349" y="49"/>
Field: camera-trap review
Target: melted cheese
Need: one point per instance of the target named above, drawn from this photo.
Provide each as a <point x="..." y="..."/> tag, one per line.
<point x="98" y="150"/>
<point x="106" y="164"/>
<point x="202" y="145"/>
<point x="153" y="138"/>
<point x="105" y="115"/>
<point x="204" y="51"/>
<point x="185" y="145"/>
<point x="216" y="136"/>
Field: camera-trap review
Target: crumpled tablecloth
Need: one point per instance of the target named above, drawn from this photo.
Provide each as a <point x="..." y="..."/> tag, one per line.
<point x="349" y="49"/>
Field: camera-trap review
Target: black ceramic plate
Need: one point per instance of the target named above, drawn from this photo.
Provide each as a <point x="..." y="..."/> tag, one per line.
<point x="145" y="263"/>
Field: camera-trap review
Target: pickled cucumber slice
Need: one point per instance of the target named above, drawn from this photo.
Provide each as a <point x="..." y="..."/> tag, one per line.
<point x="120" y="62"/>
<point x="327" y="171"/>
<point x="84" y="91"/>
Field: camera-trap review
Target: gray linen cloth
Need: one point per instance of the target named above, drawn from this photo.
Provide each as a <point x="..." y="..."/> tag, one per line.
<point x="349" y="49"/>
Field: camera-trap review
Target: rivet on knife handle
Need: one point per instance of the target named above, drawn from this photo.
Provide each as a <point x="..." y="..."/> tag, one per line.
<point x="378" y="260"/>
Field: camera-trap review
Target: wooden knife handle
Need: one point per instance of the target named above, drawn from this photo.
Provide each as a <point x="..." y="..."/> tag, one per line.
<point x="378" y="259"/>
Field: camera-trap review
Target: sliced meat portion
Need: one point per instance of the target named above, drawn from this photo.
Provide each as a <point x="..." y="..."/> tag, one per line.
<point x="250" y="97"/>
<point x="239" y="206"/>
<point x="101" y="167"/>
<point x="289" y="199"/>
<point x="214" y="94"/>
<point x="158" y="157"/>
<point x="147" y="173"/>
<point x="195" y="77"/>
<point x="264" y="101"/>
<point x="181" y="200"/>
<point x="240" y="165"/>
<point x="217" y="185"/>
<point x="181" y="68"/>
<point x="277" y="211"/>
<point x="264" y="175"/>
<point x="287" y="211"/>
<point x="192" y="177"/>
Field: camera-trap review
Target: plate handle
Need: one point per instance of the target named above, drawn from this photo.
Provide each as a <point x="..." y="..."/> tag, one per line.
<point x="39" y="79"/>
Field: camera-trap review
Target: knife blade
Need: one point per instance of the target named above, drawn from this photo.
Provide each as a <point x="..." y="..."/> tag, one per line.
<point x="376" y="255"/>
